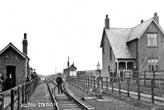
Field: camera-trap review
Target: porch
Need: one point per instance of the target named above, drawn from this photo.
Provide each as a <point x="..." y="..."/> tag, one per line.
<point x="121" y="67"/>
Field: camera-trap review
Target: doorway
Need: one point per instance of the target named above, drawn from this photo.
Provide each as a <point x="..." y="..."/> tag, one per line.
<point x="10" y="81"/>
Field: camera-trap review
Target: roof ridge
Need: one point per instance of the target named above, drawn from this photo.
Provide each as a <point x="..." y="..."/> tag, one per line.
<point x="118" y="28"/>
<point x="143" y="22"/>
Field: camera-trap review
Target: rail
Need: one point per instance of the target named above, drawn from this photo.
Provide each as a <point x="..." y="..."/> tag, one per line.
<point x="77" y="101"/>
<point x="55" y="104"/>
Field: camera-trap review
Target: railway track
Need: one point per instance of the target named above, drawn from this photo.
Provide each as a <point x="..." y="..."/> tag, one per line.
<point x="65" y="101"/>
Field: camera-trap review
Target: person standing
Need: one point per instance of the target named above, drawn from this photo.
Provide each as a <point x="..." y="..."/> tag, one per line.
<point x="59" y="82"/>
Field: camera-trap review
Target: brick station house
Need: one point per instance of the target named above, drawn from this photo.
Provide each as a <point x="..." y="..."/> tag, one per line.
<point x="14" y="65"/>
<point x="139" y="48"/>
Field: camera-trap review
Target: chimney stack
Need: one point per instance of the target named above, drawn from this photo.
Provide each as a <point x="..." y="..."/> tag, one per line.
<point x="106" y="22"/>
<point x="25" y="44"/>
<point x="156" y="17"/>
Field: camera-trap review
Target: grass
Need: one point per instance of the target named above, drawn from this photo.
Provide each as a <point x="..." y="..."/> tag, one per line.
<point x="115" y="104"/>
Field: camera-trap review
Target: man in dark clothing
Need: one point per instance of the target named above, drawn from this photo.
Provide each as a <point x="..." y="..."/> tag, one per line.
<point x="59" y="82"/>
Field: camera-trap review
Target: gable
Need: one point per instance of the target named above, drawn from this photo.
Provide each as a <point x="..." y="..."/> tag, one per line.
<point x="152" y="27"/>
<point x="10" y="45"/>
<point x="11" y="54"/>
<point x="139" y="30"/>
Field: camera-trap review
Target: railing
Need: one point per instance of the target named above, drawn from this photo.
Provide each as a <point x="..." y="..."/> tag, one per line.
<point x="15" y="98"/>
<point x="146" y="86"/>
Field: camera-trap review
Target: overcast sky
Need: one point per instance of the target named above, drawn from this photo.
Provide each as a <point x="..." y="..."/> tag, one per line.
<point x="57" y="29"/>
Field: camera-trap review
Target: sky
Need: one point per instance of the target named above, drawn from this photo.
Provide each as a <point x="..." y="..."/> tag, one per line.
<point x="57" y="29"/>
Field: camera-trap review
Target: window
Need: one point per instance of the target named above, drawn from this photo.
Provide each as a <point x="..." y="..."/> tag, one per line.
<point x="153" y="64"/>
<point x="152" y="39"/>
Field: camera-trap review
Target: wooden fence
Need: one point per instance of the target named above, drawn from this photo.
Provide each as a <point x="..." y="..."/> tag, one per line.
<point x="14" y="98"/>
<point x="148" y="86"/>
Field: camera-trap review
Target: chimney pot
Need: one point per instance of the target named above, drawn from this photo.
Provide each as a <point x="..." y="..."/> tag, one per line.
<point x="156" y="17"/>
<point x="25" y="44"/>
<point x="25" y="35"/>
<point x="107" y="22"/>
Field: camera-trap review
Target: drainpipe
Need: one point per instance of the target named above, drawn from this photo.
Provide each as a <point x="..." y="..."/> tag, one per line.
<point x="137" y="55"/>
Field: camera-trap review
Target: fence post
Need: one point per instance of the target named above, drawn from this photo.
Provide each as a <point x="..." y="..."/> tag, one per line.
<point x="106" y="83"/>
<point x="112" y="82"/>
<point x="152" y="90"/>
<point x="26" y="92"/>
<point x="23" y="93"/>
<point x="138" y="86"/>
<point x="128" y="87"/>
<point x="152" y="87"/>
<point x="94" y="81"/>
<point x="88" y="82"/>
<point x="144" y="78"/>
<point x="91" y="81"/>
<point x="2" y="101"/>
<point x="12" y="99"/>
<point x="29" y="91"/>
<point x="101" y="80"/>
<point x="119" y="85"/>
<point x="18" y="89"/>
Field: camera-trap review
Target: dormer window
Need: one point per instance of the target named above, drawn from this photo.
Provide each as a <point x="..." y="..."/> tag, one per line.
<point x="152" y="40"/>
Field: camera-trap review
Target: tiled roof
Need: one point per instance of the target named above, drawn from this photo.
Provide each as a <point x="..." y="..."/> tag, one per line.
<point x="117" y="38"/>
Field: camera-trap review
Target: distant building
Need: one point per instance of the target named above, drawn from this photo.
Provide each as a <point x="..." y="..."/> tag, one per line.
<point x="14" y="65"/>
<point x="70" y="71"/>
<point x="139" y="48"/>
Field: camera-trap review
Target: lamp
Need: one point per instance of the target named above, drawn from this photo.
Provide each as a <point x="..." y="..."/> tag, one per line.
<point x="99" y="81"/>
<point x="98" y="68"/>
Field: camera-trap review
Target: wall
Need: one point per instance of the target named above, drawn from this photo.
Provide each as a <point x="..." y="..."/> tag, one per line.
<point x="106" y="62"/>
<point x="132" y="47"/>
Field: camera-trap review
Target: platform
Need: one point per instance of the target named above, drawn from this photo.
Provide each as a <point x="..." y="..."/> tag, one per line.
<point x="40" y="99"/>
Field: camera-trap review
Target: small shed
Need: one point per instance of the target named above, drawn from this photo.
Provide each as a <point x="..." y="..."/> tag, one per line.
<point x="14" y="65"/>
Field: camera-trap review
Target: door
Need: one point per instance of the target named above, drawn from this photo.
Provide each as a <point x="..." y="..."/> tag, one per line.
<point x="11" y="76"/>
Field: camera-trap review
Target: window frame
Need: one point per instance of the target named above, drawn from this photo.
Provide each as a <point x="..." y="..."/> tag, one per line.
<point x="152" y="39"/>
<point x="153" y="63"/>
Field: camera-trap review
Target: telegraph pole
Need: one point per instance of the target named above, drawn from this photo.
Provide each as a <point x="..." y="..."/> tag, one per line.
<point x="68" y="66"/>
